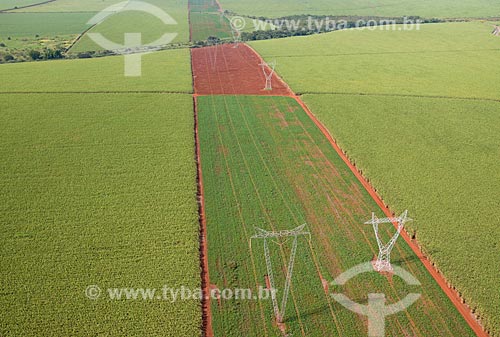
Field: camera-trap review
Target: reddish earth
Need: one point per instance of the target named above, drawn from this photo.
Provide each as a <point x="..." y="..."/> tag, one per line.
<point x="226" y="70"/>
<point x="205" y="279"/>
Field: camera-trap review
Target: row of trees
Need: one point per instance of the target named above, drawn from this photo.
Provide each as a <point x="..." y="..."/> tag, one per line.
<point x="313" y="24"/>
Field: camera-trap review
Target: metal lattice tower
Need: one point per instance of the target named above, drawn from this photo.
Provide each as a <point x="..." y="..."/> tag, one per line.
<point x="383" y="263"/>
<point x="265" y="235"/>
<point x="496" y="31"/>
<point x="235" y="32"/>
<point x="213" y="54"/>
<point x="236" y="36"/>
<point x="269" y="77"/>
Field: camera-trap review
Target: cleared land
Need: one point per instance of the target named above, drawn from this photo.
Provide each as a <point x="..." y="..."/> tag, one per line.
<point x="436" y="156"/>
<point x="166" y="71"/>
<point x="224" y="69"/>
<point x="456" y="60"/>
<point x="97" y="189"/>
<point x="438" y="8"/>
<point x="266" y="164"/>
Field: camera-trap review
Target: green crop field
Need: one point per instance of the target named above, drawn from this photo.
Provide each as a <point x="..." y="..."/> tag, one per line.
<point x="151" y="27"/>
<point x="11" y="4"/>
<point x="42" y="24"/>
<point x="439" y="158"/>
<point x="97" y="189"/>
<point x="206" y="21"/>
<point x="438" y="8"/>
<point x="266" y="164"/>
<point x="205" y="25"/>
<point x="71" y="6"/>
<point x="457" y="60"/>
<point x="203" y="6"/>
<point x="163" y="71"/>
<point x="21" y="32"/>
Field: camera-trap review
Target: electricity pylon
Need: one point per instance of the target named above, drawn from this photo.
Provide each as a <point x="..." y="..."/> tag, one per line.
<point x="383" y="263"/>
<point x="235" y="32"/>
<point x="269" y="77"/>
<point x="265" y="235"/>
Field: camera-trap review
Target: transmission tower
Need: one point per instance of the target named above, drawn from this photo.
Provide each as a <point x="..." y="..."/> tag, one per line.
<point x="266" y="235"/>
<point x="269" y="77"/>
<point x="213" y="44"/>
<point x="496" y="31"/>
<point x="383" y="263"/>
<point x="236" y="36"/>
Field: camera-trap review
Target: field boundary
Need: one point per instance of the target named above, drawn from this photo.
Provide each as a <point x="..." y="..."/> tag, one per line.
<point x="79" y="37"/>
<point x="398" y="95"/>
<point x="457" y="301"/>
<point x="94" y="92"/>
<point x="207" y="330"/>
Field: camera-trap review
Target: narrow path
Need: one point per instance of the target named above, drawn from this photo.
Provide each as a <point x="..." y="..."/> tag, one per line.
<point x="27" y="6"/>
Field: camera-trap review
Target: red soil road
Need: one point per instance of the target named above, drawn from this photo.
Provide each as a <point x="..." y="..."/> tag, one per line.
<point x="205" y="278"/>
<point x="225" y="70"/>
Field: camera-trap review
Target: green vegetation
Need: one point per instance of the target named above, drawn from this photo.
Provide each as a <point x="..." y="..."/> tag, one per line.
<point x="162" y="71"/>
<point x="207" y="22"/>
<point x="266" y="164"/>
<point x="11" y="4"/>
<point x="454" y="59"/>
<point x="42" y="24"/>
<point x="438" y="8"/>
<point x="203" y="6"/>
<point x="205" y="25"/>
<point x="151" y="27"/>
<point x="71" y="6"/>
<point x="97" y="189"/>
<point x="436" y="157"/>
<point x="23" y="32"/>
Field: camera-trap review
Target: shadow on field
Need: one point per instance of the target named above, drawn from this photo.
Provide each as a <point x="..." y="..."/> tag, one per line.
<point x="308" y="313"/>
<point x="412" y="258"/>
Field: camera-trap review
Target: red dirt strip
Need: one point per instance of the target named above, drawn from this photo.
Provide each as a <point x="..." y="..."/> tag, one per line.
<point x="228" y="70"/>
<point x="205" y="279"/>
